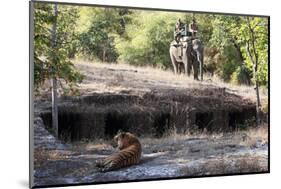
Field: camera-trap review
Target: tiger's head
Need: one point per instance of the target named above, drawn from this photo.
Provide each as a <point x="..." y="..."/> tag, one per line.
<point x="124" y="139"/>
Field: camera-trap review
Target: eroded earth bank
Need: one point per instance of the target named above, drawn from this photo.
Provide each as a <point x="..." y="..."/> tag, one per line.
<point x="186" y="128"/>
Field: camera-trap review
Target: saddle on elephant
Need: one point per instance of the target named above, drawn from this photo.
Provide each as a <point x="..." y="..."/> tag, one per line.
<point x="182" y="43"/>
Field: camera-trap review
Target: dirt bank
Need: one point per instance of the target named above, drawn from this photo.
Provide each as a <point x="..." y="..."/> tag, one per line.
<point x="146" y="101"/>
<point x="168" y="112"/>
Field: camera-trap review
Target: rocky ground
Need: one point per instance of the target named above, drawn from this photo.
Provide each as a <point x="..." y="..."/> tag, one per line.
<point x="174" y="156"/>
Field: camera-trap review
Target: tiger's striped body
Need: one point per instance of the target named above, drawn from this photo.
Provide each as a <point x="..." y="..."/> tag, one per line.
<point x="129" y="153"/>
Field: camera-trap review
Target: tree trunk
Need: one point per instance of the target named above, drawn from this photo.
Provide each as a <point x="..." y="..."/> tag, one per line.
<point x="258" y="104"/>
<point x="242" y="61"/>
<point x="201" y="65"/>
<point x="103" y="53"/>
<point x="254" y="59"/>
<point x="54" y="79"/>
<point x="255" y="69"/>
<point x="238" y="49"/>
<point x="54" y="106"/>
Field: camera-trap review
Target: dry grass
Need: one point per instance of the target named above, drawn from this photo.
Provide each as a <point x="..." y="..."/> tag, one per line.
<point x="248" y="137"/>
<point x="231" y="165"/>
<point x="148" y="73"/>
<point x="93" y="146"/>
<point x="161" y="77"/>
<point x="113" y="78"/>
<point x="254" y="135"/>
<point x="174" y="137"/>
<point x="242" y="90"/>
<point x="41" y="156"/>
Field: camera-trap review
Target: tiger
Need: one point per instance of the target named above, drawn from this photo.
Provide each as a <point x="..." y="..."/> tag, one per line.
<point x="129" y="153"/>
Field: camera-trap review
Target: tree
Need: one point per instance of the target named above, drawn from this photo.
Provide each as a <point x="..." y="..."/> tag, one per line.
<point x="54" y="79"/>
<point x="256" y="47"/>
<point x="249" y="36"/>
<point x="53" y="25"/>
<point x="45" y="53"/>
<point x="225" y="39"/>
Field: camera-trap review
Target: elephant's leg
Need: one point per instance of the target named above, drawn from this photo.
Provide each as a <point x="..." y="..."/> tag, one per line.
<point x="186" y="68"/>
<point x="196" y="73"/>
<point x="179" y="68"/>
<point x="185" y="61"/>
<point x="188" y="61"/>
<point x="175" y="67"/>
<point x="195" y="69"/>
<point x="182" y="68"/>
<point x="189" y="66"/>
<point x="185" y="64"/>
<point x="175" y="64"/>
<point x="200" y="62"/>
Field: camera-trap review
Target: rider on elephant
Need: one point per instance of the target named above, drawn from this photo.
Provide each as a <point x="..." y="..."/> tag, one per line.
<point x="179" y="28"/>
<point x="193" y="28"/>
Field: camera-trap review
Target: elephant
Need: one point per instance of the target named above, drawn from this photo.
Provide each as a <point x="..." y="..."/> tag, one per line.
<point x="198" y="48"/>
<point x="191" y="56"/>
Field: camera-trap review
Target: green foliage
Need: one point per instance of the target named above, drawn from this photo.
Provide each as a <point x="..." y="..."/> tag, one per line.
<point x="53" y="61"/>
<point x="233" y="44"/>
<point x="231" y="36"/>
<point x="205" y="27"/>
<point x="241" y="75"/>
<point x="97" y="43"/>
<point x="262" y="76"/>
<point x="254" y="34"/>
<point x="97" y="39"/>
<point x="149" y="38"/>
